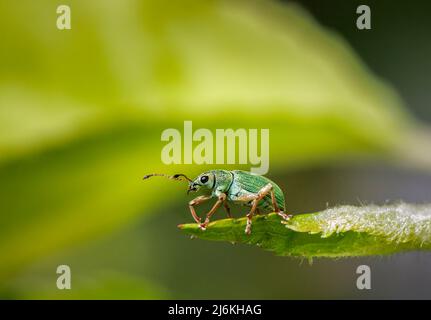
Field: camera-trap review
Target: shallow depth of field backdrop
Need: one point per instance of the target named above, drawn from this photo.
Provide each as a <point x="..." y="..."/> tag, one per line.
<point x="82" y="110"/>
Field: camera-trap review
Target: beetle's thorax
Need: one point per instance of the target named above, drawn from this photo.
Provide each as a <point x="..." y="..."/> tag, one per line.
<point x="223" y="181"/>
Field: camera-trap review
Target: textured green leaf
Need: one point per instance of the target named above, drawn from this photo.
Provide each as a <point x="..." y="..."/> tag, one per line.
<point x="344" y="231"/>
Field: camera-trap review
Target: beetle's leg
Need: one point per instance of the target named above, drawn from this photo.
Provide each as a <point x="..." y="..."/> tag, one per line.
<point x="262" y="193"/>
<point x="226" y="207"/>
<point x="194" y="202"/>
<point x="284" y="215"/>
<point x="277" y="209"/>
<point x="221" y="199"/>
<point x="274" y="202"/>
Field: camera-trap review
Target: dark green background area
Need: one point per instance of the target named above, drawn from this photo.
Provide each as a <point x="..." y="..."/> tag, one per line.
<point x="397" y="47"/>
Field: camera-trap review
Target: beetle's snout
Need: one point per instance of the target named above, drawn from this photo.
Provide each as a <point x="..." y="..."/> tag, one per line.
<point x="192" y="188"/>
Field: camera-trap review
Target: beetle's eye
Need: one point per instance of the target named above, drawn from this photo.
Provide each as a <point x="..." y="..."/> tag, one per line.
<point x="204" y="179"/>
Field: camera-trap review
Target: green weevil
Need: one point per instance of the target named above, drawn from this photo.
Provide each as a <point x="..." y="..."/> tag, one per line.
<point x="257" y="192"/>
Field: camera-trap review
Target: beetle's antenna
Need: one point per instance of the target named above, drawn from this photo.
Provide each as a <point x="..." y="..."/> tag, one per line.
<point x="179" y="175"/>
<point x="154" y="174"/>
<point x="174" y="177"/>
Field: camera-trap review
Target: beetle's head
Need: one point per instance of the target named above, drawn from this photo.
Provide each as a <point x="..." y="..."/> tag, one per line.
<point x="205" y="179"/>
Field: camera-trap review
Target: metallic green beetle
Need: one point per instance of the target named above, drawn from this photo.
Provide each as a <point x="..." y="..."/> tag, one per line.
<point x="235" y="186"/>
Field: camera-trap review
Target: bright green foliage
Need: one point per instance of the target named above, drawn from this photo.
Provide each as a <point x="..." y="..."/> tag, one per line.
<point x="343" y="231"/>
<point x="82" y="111"/>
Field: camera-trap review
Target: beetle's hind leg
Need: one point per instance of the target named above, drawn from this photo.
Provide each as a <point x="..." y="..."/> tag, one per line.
<point x="285" y="216"/>
<point x="277" y="210"/>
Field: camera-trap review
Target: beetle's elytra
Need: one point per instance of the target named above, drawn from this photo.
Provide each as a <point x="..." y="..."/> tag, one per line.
<point x="257" y="192"/>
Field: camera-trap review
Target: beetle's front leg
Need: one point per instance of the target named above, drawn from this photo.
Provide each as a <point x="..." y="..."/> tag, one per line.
<point x="194" y="202"/>
<point x="221" y="199"/>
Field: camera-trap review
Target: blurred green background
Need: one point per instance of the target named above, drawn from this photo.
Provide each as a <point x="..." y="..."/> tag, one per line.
<point x="82" y="110"/>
